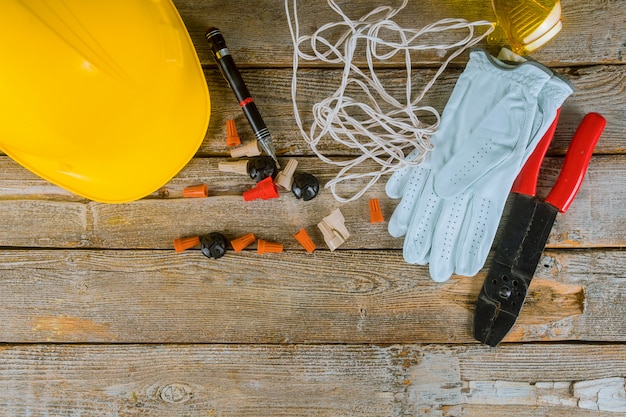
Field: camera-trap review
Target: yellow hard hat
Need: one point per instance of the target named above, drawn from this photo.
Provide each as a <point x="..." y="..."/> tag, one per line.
<point x="106" y="99"/>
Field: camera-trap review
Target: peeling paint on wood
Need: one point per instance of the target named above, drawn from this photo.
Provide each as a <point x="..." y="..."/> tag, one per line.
<point x="99" y="316"/>
<point x="606" y="394"/>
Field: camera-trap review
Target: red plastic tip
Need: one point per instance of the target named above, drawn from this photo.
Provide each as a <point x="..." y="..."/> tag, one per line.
<point x="265" y="189"/>
<point x="264" y="246"/>
<point x="305" y="240"/>
<point x="232" y="137"/>
<point x="242" y="242"/>
<point x="376" y="215"/>
<point x="185" y="243"/>
<point x="196" y="191"/>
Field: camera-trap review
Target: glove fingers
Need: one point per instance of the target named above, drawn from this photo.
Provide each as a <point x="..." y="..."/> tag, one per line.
<point x="397" y="182"/>
<point x="419" y="235"/>
<point x="479" y="232"/>
<point x="445" y="241"/>
<point x="401" y="217"/>
<point x="395" y="185"/>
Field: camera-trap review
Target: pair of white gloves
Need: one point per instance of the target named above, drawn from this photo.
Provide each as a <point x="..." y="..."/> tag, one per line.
<point x="452" y="202"/>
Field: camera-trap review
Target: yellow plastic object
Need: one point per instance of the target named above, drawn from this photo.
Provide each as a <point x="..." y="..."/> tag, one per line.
<point x="106" y="99"/>
<point x="528" y="24"/>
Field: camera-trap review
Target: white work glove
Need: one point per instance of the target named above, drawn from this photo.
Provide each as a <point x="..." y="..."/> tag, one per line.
<point x="452" y="203"/>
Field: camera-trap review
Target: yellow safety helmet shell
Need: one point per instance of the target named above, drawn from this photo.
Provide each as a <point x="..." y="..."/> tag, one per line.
<point x="104" y="98"/>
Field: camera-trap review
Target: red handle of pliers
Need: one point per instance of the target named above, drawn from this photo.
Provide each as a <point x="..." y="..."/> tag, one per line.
<point x="576" y="161"/>
<point x="526" y="181"/>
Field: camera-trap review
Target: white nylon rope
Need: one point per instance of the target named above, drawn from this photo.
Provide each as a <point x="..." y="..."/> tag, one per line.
<point x="383" y="128"/>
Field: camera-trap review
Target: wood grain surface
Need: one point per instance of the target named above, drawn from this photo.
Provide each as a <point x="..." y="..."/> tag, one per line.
<point x="100" y="317"/>
<point x="304" y="380"/>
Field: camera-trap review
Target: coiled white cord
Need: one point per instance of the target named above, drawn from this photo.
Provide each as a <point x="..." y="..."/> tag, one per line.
<point x="383" y="128"/>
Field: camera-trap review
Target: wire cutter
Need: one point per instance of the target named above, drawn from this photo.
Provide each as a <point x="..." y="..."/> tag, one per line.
<point x="527" y="229"/>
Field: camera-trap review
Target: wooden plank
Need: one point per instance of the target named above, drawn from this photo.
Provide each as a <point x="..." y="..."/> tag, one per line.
<point x="267" y="42"/>
<point x="342" y="297"/>
<point x="600" y="89"/>
<point x="400" y="380"/>
<point x="300" y="330"/>
<point x="597" y="88"/>
<point x="521" y="411"/>
<point x="42" y="215"/>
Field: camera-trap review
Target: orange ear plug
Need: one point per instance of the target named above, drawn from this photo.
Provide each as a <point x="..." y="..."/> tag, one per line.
<point x="376" y="215"/>
<point x="242" y="242"/>
<point x="264" y="246"/>
<point x="185" y="243"/>
<point x="196" y="191"/>
<point x="305" y="240"/>
<point x="265" y="189"/>
<point x="232" y="137"/>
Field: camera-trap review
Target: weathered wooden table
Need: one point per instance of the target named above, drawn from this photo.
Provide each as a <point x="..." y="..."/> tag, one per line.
<point x="101" y="317"/>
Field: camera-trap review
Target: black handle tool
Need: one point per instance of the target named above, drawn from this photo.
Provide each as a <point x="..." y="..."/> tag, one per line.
<point x="526" y="232"/>
<point x="233" y="77"/>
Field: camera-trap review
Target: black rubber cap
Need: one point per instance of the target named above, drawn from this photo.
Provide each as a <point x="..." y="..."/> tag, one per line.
<point x="305" y="186"/>
<point x="213" y="245"/>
